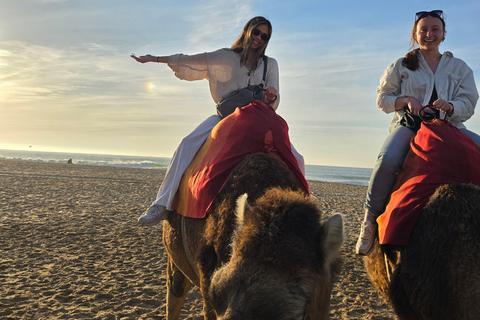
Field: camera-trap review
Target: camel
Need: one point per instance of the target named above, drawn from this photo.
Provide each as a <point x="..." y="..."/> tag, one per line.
<point x="437" y="274"/>
<point x="262" y="251"/>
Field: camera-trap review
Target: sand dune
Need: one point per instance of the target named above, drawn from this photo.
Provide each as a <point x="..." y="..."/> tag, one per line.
<point x="70" y="247"/>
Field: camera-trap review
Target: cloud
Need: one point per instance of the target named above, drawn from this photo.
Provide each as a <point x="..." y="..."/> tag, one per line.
<point x="61" y="74"/>
<point x="53" y="1"/>
<point x="216" y="24"/>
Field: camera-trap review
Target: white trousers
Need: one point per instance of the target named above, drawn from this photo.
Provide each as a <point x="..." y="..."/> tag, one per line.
<point x="184" y="155"/>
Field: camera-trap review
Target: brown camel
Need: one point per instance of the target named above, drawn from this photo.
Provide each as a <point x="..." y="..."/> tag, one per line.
<point x="437" y="274"/>
<point x="266" y="258"/>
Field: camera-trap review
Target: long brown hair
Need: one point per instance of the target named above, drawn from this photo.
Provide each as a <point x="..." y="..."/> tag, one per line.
<point x="244" y="41"/>
<point x="411" y="58"/>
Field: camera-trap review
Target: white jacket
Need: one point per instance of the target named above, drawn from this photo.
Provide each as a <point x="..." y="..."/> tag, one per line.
<point x="453" y="81"/>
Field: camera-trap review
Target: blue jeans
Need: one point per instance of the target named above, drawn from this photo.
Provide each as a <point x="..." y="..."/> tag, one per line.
<point x="389" y="161"/>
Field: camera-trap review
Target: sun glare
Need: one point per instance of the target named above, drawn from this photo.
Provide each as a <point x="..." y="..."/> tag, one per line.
<point x="149" y="86"/>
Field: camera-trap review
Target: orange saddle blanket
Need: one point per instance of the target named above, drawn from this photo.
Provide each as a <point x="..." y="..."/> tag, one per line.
<point x="439" y="154"/>
<point x="251" y="129"/>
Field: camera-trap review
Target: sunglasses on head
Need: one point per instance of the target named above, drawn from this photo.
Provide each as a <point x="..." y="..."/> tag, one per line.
<point x="265" y="37"/>
<point x="434" y="13"/>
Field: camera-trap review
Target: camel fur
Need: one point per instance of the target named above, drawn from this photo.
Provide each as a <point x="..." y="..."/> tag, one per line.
<point x="437" y="274"/>
<point x="262" y="252"/>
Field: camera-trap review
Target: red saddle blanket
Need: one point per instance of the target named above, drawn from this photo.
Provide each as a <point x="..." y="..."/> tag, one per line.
<point x="251" y="129"/>
<point x="439" y="154"/>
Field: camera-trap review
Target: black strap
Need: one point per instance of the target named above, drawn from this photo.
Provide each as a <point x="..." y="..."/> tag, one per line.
<point x="265" y="59"/>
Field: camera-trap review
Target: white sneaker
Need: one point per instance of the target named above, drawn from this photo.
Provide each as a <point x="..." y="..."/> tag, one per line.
<point x="153" y="215"/>
<point x="366" y="238"/>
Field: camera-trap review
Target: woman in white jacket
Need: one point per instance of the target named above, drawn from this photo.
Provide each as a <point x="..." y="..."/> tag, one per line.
<point x="423" y="77"/>
<point x="226" y="70"/>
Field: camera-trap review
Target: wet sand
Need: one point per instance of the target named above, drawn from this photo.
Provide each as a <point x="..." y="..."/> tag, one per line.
<point x="70" y="246"/>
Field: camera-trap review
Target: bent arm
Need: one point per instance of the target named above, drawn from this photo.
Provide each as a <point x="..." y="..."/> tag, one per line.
<point x="465" y="98"/>
<point x="390" y="97"/>
<point x="388" y="92"/>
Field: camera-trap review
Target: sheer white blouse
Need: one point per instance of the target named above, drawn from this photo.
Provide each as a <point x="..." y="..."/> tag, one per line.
<point x="223" y="71"/>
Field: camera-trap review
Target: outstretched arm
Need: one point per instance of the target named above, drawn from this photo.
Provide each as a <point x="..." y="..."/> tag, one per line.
<point x="150" y="58"/>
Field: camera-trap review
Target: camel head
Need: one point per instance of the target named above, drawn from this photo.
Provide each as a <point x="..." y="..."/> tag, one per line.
<point x="282" y="256"/>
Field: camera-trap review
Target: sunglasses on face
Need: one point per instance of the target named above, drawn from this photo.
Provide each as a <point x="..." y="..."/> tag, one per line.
<point x="265" y="37"/>
<point x="434" y="13"/>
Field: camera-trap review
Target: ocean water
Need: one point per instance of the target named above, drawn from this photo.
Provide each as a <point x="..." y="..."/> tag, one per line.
<point x="356" y="176"/>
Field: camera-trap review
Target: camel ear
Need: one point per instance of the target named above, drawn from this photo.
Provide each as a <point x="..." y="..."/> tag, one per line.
<point x="335" y="234"/>
<point x="242" y="205"/>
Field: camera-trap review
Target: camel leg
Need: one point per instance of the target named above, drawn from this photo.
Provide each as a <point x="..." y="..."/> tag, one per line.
<point x="177" y="290"/>
<point x="208" y="312"/>
<point x="399" y="298"/>
<point x="376" y="269"/>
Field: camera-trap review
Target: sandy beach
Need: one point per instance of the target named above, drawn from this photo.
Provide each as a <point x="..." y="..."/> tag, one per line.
<point x="70" y="246"/>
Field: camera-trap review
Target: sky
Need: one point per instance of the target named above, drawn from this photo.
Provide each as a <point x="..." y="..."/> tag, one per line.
<point x="68" y="84"/>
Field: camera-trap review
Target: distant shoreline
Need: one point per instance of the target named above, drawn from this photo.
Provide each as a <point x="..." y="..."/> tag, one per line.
<point x="73" y="164"/>
<point x="349" y="175"/>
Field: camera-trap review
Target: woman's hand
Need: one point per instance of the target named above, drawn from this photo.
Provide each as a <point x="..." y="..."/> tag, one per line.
<point x="271" y="94"/>
<point x="409" y="102"/>
<point x="150" y="58"/>
<point x="443" y="105"/>
<point x="143" y="59"/>
<point x="146" y="58"/>
<point x="414" y="106"/>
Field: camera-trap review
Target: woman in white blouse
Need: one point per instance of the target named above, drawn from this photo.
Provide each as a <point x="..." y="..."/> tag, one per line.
<point x="226" y="70"/>
<point x="423" y="77"/>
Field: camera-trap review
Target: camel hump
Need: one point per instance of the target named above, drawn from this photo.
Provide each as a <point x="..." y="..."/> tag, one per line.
<point x="436" y="274"/>
<point x="335" y="234"/>
<point x="445" y="239"/>
<point x="452" y="218"/>
<point x="455" y="201"/>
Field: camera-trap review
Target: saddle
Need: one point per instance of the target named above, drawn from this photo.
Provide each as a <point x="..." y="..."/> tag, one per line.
<point x="439" y="154"/>
<point x="254" y="128"/>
